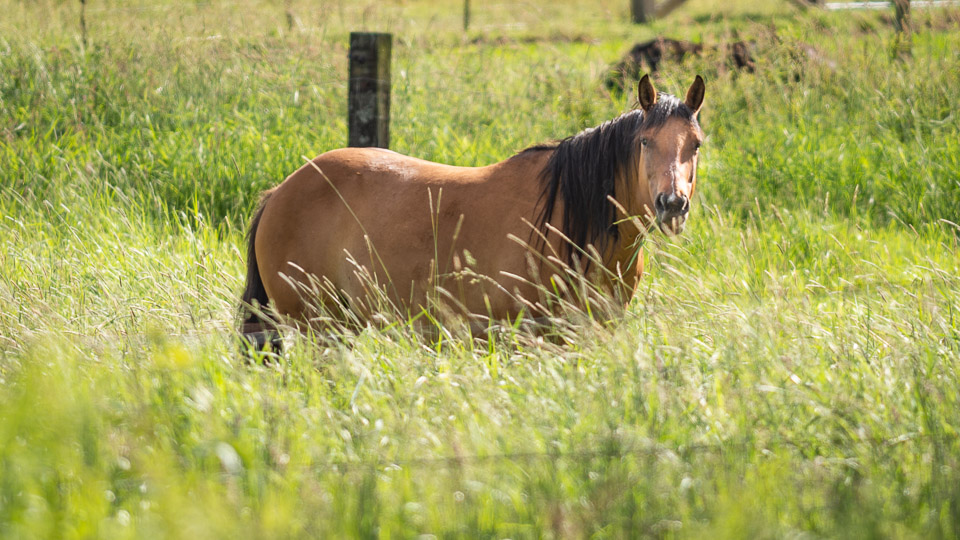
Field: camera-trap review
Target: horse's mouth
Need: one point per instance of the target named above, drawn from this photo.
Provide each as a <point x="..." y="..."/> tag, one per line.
<point x="672" y="225"/>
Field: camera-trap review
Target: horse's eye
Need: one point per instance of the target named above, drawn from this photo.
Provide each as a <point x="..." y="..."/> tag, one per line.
<point x="644" y="141"/>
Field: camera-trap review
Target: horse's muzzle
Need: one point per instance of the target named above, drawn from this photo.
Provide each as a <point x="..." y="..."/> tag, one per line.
<point x="672" y="210"/>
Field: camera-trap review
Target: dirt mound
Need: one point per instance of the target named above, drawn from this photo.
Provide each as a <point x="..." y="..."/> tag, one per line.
<point x="651" y="54"/>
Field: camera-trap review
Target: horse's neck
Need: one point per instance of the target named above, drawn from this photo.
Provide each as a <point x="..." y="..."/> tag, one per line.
<point x="625" y="256"/>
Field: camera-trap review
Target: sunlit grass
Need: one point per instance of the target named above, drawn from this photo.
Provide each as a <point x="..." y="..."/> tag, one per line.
<point x="789" y="366"/>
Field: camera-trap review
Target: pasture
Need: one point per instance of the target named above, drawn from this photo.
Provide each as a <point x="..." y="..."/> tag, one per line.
<point x="789" y="367"/>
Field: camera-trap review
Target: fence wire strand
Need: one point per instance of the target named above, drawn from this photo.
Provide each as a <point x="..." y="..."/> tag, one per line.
<point x="460" y="462"/>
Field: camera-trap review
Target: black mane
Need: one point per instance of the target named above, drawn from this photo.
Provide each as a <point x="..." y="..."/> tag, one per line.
<point x="583" y="169"/>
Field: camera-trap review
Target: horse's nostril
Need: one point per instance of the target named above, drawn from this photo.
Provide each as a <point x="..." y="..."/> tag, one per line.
<point x="660" y="203"/>
<point x="677" y="203"/>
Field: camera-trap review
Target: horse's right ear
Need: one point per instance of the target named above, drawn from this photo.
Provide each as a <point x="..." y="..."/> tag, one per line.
<point x="694" y="98"/>
<point x="646" y="93"/>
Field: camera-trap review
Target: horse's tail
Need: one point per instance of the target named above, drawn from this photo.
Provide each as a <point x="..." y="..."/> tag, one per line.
<point x="255" y="327"/>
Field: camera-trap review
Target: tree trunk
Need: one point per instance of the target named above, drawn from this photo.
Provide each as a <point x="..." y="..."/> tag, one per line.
<point x="642" y="11"/>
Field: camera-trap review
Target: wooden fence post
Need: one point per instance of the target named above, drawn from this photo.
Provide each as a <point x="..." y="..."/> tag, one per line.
<point x="466" y="15"/>
<point x="642" y="11"/>
<point x="83" y="21"/>
<point x="368" y="100"/>
<point x="902" y="8"/>
<point x="902" y="23"/>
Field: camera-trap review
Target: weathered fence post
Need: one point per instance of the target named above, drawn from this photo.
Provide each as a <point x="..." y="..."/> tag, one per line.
<point x="902" y="8"/>
<point x="642" y="11"/>
<point x="902" y="23"/>
<point x="466" y="15"/>
<point x="83" y="21"/>
<point x="368" y="100"/>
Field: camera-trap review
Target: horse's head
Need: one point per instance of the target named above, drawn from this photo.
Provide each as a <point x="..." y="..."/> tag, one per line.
<point x="669" y="140"/>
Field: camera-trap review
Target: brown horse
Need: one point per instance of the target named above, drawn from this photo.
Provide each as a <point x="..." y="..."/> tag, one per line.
<point x="359" y="230"/>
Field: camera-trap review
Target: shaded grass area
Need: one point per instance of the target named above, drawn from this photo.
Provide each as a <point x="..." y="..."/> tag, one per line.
<point x="789" y="366"/>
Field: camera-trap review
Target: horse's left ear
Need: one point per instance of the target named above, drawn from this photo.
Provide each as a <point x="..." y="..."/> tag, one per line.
<point x="694" y="98"/>
<point x="646" y="93"/>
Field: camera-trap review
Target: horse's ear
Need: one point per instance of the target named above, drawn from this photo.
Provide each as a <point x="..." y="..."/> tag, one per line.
<point x="694" y="98"/>
<point x="646" y="93"/>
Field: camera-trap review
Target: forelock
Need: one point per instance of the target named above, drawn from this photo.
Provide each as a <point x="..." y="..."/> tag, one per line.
<point x="666" y="107"/>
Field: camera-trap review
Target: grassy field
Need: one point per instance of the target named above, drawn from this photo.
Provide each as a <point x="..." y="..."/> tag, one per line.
<point x="790" y="367"/>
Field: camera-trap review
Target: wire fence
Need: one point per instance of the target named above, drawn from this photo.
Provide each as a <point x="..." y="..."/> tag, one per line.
<point x="493" y="16"/>
<point x="717" y="448"/>
<point x="835" y="6"/>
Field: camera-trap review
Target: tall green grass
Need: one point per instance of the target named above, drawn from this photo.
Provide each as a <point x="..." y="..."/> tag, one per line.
<point x="789" y="366"/>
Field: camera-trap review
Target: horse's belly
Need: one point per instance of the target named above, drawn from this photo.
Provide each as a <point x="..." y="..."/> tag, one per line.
<point x="393" y="269"/>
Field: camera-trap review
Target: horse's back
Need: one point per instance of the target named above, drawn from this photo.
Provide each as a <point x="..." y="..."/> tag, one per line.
<point x="358" y="214"/>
